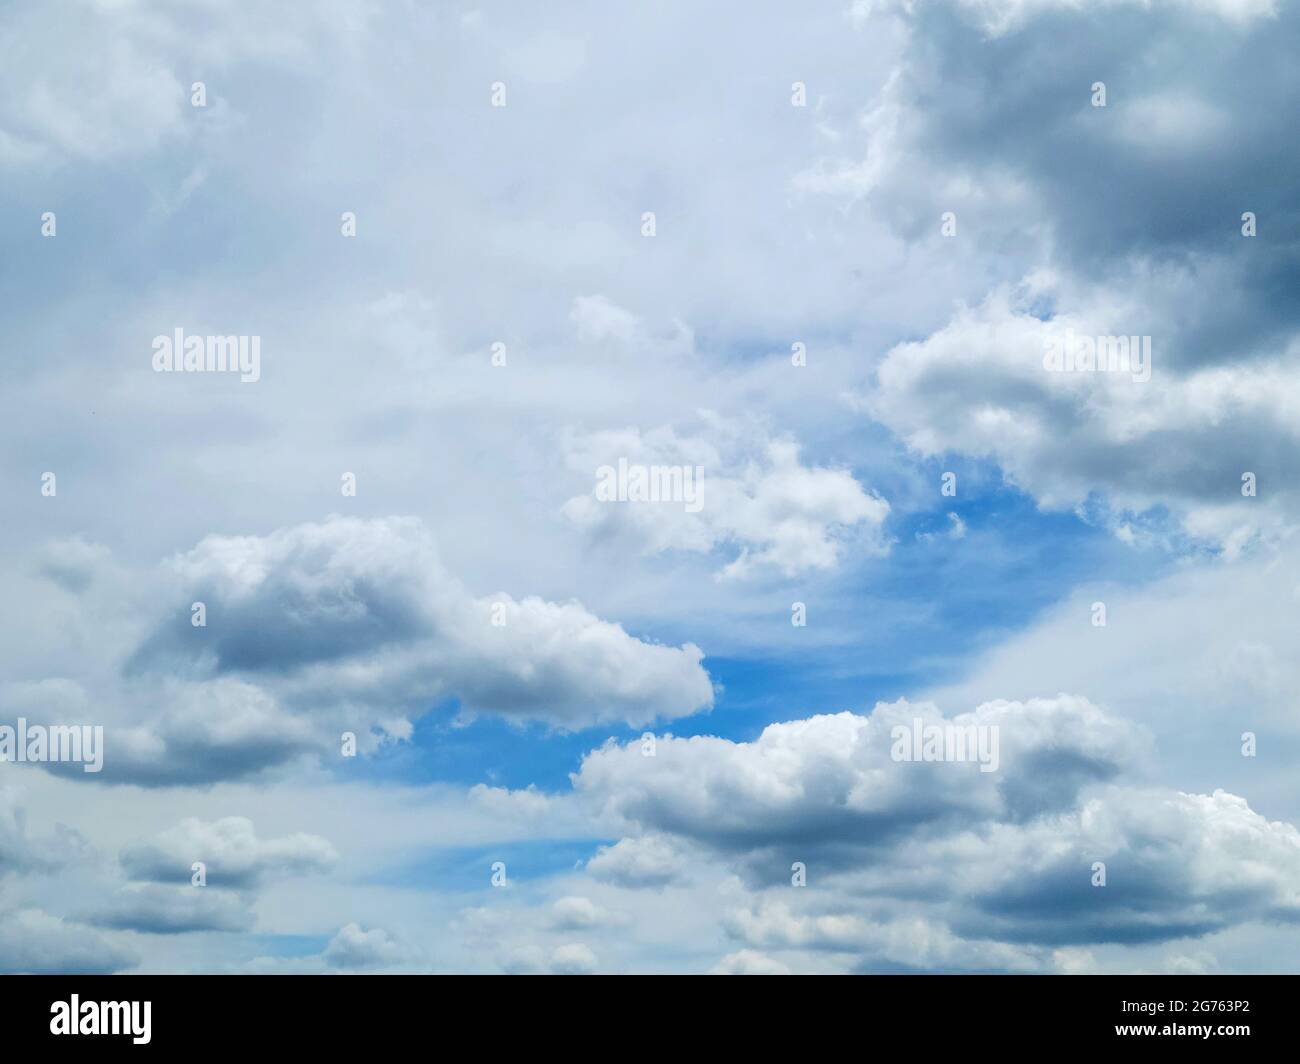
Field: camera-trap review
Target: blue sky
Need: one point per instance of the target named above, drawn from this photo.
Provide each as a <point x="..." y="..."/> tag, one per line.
<point x="921" y="199"/>
<point x="923" y="613"/>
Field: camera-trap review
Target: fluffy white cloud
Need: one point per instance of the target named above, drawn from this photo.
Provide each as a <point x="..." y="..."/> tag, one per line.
<point x="820" y="225"/>
<point x="640" y="861"/>
<point x="905" y="867"/>
<point x="576" y="913"/>
<point x="231" y="851"/>
<point x="181" y="732"/>
<point x="831" y="781"/>
<point x="981" y="387"/>
<point x="754" y="499"/>
<point x="355" y="947"/>
<point x="317" y="629"/>
<point x="361" y="617"/>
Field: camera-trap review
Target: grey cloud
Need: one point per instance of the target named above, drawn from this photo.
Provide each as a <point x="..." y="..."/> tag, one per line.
<point x="360" y="615"/>
<point x="984" y="877"/>
<point x="353" y="625"/>
<point x="163" y="899"/>
<point x="230" y="850"/>
<point x="22" y="853"/>
<point x="1177" y="865"/>
<point x="979" y="386"/>
<point x="301" y="595"/>
<point x="354" y="947"/>
<point x="171" y="910"/>
<point x="1135" y="208"/>
<point x="827" y="786"/>
<point x="33" y="942"/>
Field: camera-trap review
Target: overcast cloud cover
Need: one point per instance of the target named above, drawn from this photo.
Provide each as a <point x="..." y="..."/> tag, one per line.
<point x="475" y="716"/>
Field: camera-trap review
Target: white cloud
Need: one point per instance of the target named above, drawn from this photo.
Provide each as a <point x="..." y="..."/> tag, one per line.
<point x="764" y="238"/>
<point x="906" y="940"/>
<point x="598" y="317"/>
<point x="114" y="80"/>
<point x="979" y="387"/>
<point x="831" y="780"/>
<point x="1168" y="123"/>
<point x="231" y="851"/>
<point x="575" y="913"/>
<point x="344" y="625"/>
<point x="372" y="622"/>
<point x="757" y="500"/>
<point x="641" y="861"/>
<point x="35" y="943"/>
<point x="573" y="958"/>
<point x="168" y="910"/>
<point x="1002" y="16"/>
<point x="749" y="962"/>
<point x="1197" y="657"/>
<point x="355" y="947"/>
<point x="906" y="867"/>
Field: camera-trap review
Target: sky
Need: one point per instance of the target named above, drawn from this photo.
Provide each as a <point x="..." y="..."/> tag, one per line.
<point x="389" y="682"/>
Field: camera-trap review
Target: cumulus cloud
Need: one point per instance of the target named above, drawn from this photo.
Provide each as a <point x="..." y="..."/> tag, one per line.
<point x="981" y="386"/>
<point x="576" y="913"/>
<point x="527" y="804"/>
<point x="1131" y="213"/>
<point x="356" y="947"/>
<point x="351" y="625"/>
<point x="641" y="861"/>
<point x="1029" y="888"/>
<point x="162" y="898"/>
<point x="1004" y="896"/>
<point x="231" y="852"/>
<point x="1164" y="256"/>
<point x="829" y="783"/>
<point x="360" y="617"/>
<point x="33" y="942"/>
<point x="876" y="938"/>
<point x="203" y="732"/>
<point x="170" y="910"/>
<point x="915" y="866"/>
<point x="756" y="500"/>
<point x="1177" y="865"/>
